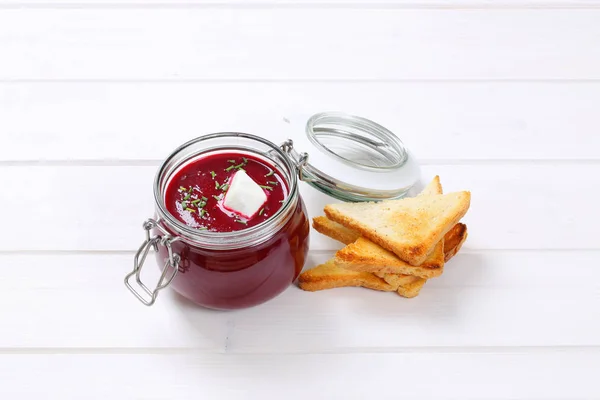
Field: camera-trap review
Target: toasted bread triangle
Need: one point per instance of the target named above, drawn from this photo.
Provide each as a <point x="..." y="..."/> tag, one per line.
<point x="453" y="240"/>
<point x="433" y="187"/>
<point x="409" y="227"/>
<point x="345" y="235"/>
<point x="364" y="255"/>
<point x="328" y="276"/>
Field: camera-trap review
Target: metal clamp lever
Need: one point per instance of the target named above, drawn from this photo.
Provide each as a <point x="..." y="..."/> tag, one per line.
<point x="147" y="296"/>
<point x="305" y="172"/>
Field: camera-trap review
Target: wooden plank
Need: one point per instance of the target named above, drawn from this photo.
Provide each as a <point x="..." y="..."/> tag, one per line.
<point x="81" y="301"/>
<point x="552" y="375"/>
<point x="444" y="4"/>
<point x="483" y="299"/>
<point x="464" y="307"/>
<point x="438" y="121"/>
<point x="301" y="44"/>
<point x="102" y="208"/>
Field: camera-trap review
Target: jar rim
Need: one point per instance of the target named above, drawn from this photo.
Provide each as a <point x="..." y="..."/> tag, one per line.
<point x="232" y="239"/>
<point x="340" y="125"/>
<point x="355" y="158"/>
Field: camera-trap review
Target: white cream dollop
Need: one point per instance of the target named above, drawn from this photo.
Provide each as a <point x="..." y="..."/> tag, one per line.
<point x="244" y="196"/>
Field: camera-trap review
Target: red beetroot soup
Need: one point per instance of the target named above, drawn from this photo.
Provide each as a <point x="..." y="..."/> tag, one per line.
<point x="195" y="195"/>
<point x="234" y="278"/>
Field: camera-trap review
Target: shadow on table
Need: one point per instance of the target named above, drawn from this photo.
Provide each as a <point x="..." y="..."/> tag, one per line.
<point x="299" y="321"/>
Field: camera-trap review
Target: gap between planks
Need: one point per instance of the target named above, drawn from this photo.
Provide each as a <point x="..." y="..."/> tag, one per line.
<point x="349" y="350"/>
<point x="383" y="81"/>
<point x="248" y="5"/>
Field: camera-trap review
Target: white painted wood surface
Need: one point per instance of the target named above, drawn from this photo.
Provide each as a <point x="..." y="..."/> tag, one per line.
<point x="298" y="44"/>
<point x="440" y="121"/>
<point x="500" y="98"/>
<point x="390" y="375"/>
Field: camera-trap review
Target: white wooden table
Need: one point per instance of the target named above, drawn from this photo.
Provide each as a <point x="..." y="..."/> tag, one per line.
<point x="501" y="98"/>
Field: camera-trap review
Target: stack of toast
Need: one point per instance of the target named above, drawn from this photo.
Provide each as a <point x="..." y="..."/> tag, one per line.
<point x="393" y="245"/>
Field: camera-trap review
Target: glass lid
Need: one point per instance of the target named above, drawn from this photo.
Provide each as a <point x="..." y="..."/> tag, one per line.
<point x="353" y="159"/>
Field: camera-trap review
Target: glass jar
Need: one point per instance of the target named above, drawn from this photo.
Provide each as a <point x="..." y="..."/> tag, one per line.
<point x="231" y="270"/>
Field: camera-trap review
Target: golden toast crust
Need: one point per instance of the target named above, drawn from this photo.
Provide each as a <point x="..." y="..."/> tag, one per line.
<point x="411" y="290"/>
<point x="454" y="240"/>
<point x="397" y="280"/>
<point x="364" y="255"/>
<point x="334" y="230"/>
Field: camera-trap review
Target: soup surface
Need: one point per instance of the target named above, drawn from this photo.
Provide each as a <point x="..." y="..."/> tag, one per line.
<point x="196" y="194"/>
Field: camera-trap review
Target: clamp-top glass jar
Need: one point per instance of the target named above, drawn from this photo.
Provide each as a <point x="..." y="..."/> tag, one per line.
<point x="223" y="267"/>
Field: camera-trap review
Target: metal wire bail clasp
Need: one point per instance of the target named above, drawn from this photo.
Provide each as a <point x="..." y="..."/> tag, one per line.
<point x="300" y="159"/>
<point x="169" y="271"/>
<point x="305" y="172"/>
